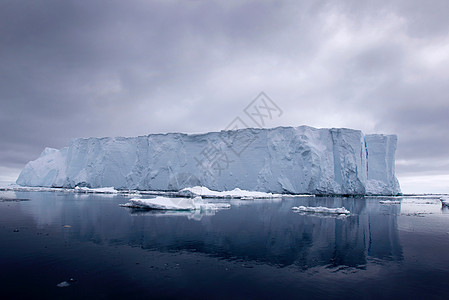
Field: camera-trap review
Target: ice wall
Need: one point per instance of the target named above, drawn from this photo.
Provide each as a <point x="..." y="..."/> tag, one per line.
<point x="278" y="160"/>
<point x="381" y="164"/>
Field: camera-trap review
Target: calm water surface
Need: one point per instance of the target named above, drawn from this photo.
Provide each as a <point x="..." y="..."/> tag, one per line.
<point x="255" y="249"/>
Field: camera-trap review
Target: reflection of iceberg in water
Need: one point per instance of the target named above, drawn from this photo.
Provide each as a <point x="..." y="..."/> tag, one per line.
<point x="265" y="232"/>
<point x="191" y="215"/>
<point x="271" y="233"/>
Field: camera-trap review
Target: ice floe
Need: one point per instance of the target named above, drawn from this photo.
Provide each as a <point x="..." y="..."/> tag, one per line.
<point x="63" y="284"/>
<point x="321" y="209"/>
<point x="104" y="190"/>
<point x="390" y="202"/>
<point x="235" y="193"/>
<point x="165" y="203"/>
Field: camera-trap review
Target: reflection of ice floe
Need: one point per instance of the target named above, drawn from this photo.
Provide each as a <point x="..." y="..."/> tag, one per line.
<point x="389" y="202"/>
<point x="196" y="215"/>
<point x="240" y="201"/>
<point x="323" y="215"/>
<point x="235" y="193"/>
<point x="321" y="210"/>
<point x="164" y="203"/>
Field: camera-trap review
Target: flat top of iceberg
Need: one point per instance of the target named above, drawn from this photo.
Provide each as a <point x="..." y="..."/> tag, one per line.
<point x="199" y="134"/>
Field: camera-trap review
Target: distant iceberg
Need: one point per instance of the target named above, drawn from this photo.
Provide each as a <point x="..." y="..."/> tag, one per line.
<point x="292" y="160"/>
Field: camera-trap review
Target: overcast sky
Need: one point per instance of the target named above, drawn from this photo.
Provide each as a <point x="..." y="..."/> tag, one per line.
<point x="73" y="69"/>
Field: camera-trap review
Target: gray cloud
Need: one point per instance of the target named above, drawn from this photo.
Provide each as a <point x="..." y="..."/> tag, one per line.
<point x="106" y="68"/>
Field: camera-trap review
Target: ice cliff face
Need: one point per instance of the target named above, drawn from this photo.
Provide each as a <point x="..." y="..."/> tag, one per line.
<point x="279" y="160"/>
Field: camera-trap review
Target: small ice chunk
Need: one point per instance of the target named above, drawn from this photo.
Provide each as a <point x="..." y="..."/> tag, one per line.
<point x="321" y="209"/>
<point x="389" y="202"/>
<point x="164" y="203"/>
<point x="445" y="200"/>
<point x="63" y="284"/>
<point x="129" y="205"/>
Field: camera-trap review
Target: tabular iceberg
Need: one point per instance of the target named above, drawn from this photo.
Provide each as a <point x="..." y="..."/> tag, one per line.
<point x="279" y="160"/>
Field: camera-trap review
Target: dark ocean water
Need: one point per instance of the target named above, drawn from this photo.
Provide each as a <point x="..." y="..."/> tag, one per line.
<point x="257" y="249"/>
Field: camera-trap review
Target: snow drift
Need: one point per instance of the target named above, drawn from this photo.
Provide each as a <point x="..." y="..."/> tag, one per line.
<point x="280" y="160"/>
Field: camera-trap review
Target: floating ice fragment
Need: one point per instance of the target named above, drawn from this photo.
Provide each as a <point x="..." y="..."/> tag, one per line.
<point x="130" y="205"/>
<point x="103" y="190"/>
<point x="63" y="284"/>
<point x="390" y="202"/>
<point x="322" y="210"/>
<point x="165" y="203"/>
<point x="445" y="200"/>
<point x="235" y="193"/>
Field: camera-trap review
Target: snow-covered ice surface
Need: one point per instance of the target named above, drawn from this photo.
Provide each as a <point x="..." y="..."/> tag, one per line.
<point x="104" y="190"/>
<point x="18" y="188"/>
<point x="235" y="193"/>
<point x="321" y="209"/>
<point x="187" y="192"/>
<point x="165" y="203"/>
<point x="296" y="160"/>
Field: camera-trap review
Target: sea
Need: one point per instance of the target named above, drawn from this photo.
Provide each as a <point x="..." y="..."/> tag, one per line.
<point x="65" y="245"/>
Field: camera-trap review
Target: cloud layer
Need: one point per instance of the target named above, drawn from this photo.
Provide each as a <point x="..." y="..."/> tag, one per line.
<point x="110" y="68"/>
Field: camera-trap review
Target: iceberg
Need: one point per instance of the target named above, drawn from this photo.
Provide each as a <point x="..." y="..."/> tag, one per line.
<point x="444" y="201"/>
<point x="321" y="210"/>
<point x="290" y="160"/>
<point x="381" y="177"/>
<point x="165" y="203"/>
